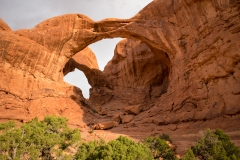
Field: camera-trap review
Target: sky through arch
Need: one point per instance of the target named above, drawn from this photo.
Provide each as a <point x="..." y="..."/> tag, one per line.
<point x="104" y="51"/>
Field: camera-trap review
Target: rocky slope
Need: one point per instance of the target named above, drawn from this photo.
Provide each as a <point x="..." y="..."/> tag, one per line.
<point x="178" y="72"/>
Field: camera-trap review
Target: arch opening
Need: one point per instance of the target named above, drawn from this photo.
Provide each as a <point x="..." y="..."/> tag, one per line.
<point x="78" y="79"/>
<point x="103" y="50"/>
<point x="80" y="69"/>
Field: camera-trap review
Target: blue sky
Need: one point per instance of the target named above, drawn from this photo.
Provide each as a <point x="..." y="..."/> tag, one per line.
<point x="19" y="14"/>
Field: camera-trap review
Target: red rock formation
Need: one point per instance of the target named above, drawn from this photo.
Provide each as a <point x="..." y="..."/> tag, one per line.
<point x="133" y="76"/>
<point x="187" y="55"/>
<point x="4" y="26"/>
<point x="136" y="73"/>
<point x="32" y="84"/>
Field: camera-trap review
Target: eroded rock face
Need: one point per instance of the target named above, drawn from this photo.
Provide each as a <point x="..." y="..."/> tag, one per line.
<point x="133" y="76"/>
<point x="31" y="84"/>
<point x="187" y="53"/>
<point x="135" y="72"/>
<point x="134" y="65"/>
<point x="204" y="81"/>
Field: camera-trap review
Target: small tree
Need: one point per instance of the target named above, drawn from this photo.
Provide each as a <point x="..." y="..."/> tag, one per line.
<point x="125" y="148"/>
<point x="122" y="148"/>
<point x="37" y="139"/>
<point x="159" y="148"/>
<point x="232" y="151"/>
<point x="189" y="155"/>
<point x="10" y="140"/>
<point x="215" y="145"/>
<point x="165" y="137"/>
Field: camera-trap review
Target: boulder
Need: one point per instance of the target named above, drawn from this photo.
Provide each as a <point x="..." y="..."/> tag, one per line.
<point x="105" y="125"/>
<point x="133" y="109"/>
<point x="126" y="118"/>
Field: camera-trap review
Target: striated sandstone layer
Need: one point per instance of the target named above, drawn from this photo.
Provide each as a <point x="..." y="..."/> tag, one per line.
<point x="179" y="75"/>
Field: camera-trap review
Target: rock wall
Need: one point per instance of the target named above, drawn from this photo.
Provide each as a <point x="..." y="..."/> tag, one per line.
<point x="134" y="76"/>
<point x="136" y="73"/>
<point x="181" y="75"/>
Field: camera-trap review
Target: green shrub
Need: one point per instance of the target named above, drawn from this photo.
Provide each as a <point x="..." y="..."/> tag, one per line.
<point x="232" y="151"/>
<point x="215" y="145"/>
<point x="165" y="137"/>
<point x="122" y="148"/>
<point x="36" y="139"/>
<point x="87" y="150"/>
<point x="159" y="148"/>
<point x="189" y="155"/>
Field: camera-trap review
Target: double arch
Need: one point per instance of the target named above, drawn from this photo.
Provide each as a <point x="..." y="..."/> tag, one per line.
<point x="85" y="32"/>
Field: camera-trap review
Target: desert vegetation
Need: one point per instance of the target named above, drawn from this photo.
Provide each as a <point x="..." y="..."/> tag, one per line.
<point x="51" y="139"/>
<point x="47" y="139"/>
<point x="214" y="144"/>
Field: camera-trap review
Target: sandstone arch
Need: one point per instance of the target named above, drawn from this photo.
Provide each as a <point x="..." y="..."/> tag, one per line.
<point x="197" y="40"/>
<point x="72" y="33"/>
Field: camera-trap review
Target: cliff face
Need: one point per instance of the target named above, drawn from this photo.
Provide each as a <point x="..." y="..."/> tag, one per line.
<point x="134" y="76"/>
<point x="135" y="67"/>
<point x="178" y="71"/>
